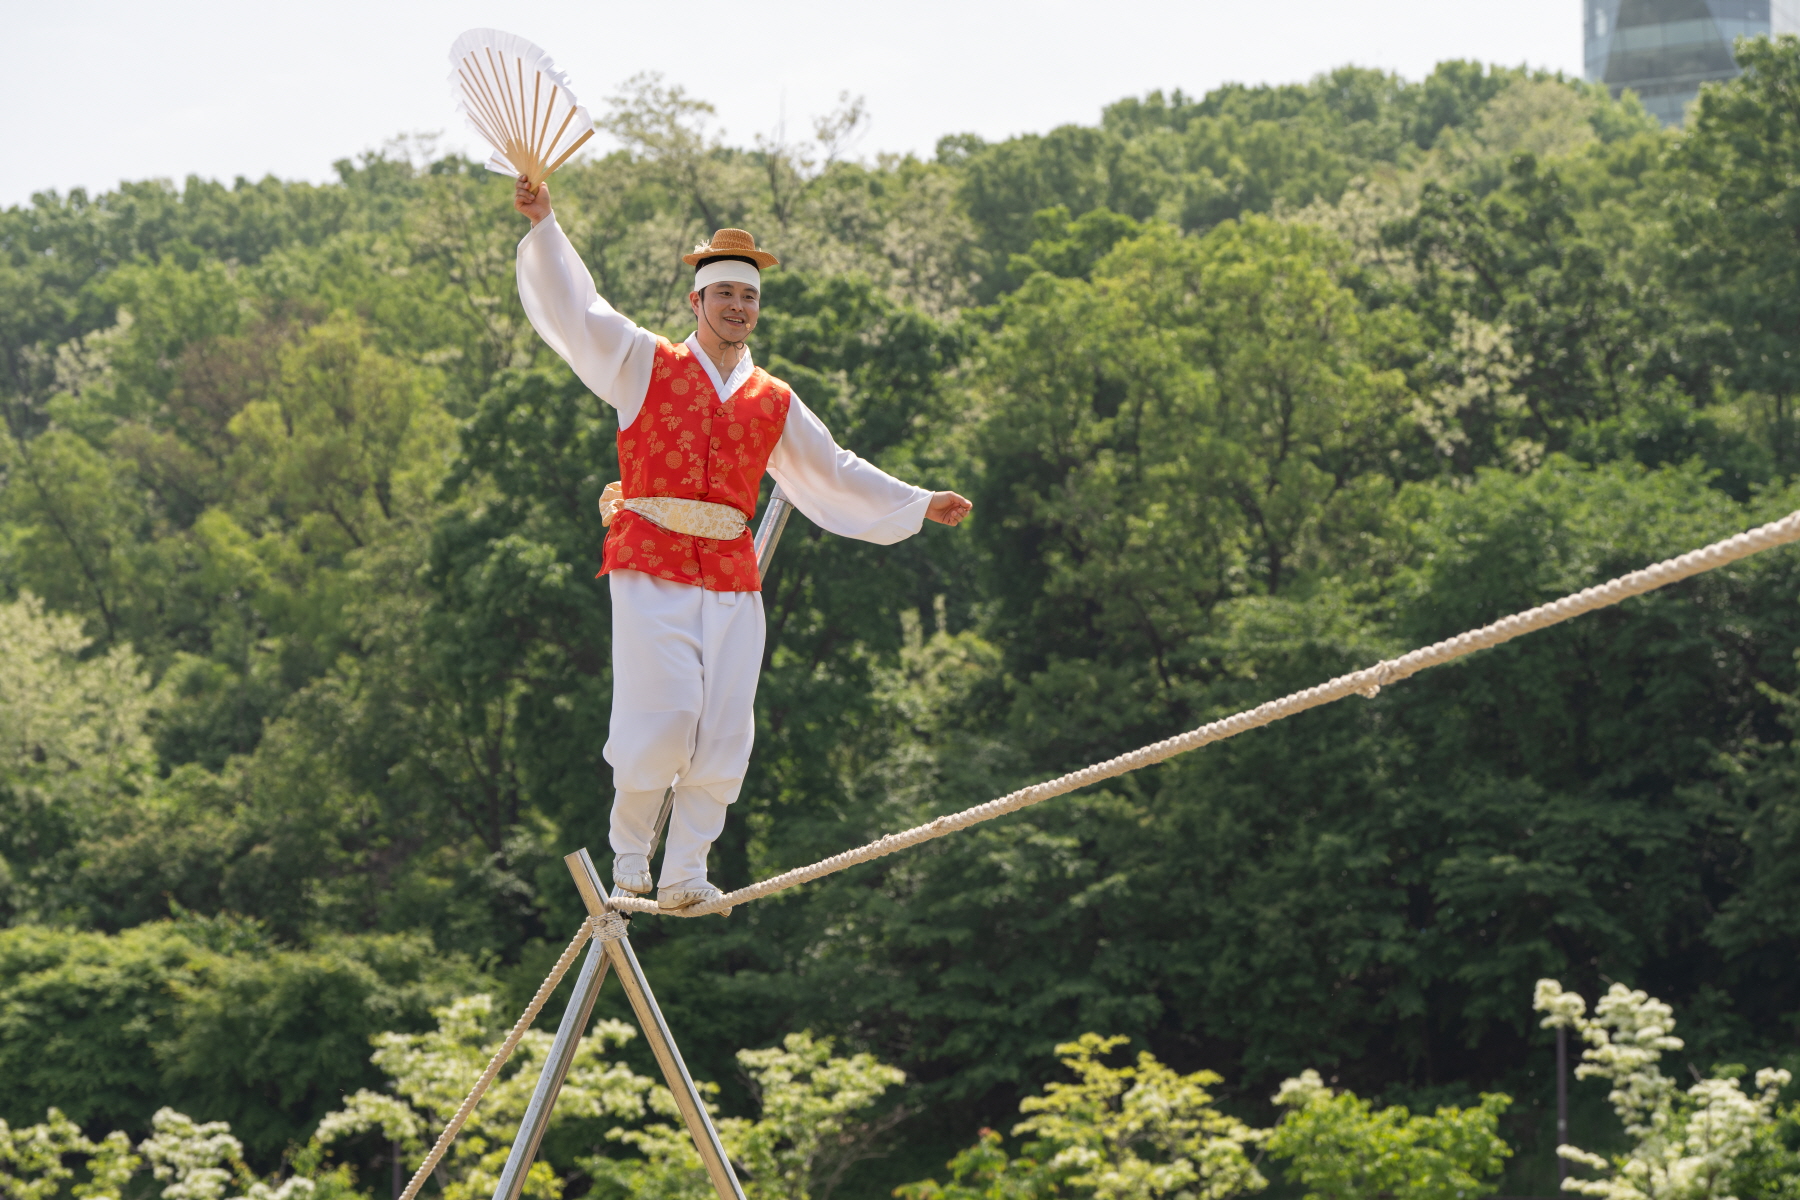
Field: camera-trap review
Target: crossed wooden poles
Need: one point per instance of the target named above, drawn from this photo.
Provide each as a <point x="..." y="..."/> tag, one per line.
<point x="611" y="951"/>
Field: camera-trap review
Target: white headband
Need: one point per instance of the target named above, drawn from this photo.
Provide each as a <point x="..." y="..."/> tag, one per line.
<point x="728" y="270"/>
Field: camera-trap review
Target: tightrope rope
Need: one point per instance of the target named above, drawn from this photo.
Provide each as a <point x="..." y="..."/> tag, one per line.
<point x="500" y="1056"/>
<point x="1366" y="682"/>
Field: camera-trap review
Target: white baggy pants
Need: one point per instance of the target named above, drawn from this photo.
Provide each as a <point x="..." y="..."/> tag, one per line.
<point x="685" y="665"/>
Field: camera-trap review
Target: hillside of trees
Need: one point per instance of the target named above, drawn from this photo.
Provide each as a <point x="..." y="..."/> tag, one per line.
<point x="304" y="671"/>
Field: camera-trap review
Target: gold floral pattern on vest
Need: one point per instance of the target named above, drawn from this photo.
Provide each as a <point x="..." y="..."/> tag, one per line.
<point x="688" y="444"/>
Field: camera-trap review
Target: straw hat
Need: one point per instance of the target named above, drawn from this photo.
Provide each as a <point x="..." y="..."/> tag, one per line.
<point x="731" y="243"/>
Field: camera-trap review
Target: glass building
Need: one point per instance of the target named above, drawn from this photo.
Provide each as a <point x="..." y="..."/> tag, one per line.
<point x="1665" y="49"/>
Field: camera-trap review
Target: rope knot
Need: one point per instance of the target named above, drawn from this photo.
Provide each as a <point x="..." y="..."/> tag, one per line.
<point x="1383" y="673"/>
<point x="610" y="927"/>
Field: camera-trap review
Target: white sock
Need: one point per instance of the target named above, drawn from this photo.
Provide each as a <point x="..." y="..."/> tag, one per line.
<point x="634" y="821"/>
<point x="696" y="821"/>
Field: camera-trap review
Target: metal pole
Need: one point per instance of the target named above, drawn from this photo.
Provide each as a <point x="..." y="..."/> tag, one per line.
<point x="768" y="533"/>
<point x="656" y="1032"/>
<point x="555" y="1071"/>
<point x="1562" y="1100"/>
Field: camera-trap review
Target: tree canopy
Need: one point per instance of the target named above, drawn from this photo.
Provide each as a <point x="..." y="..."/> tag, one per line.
<point x="304" y="672"/>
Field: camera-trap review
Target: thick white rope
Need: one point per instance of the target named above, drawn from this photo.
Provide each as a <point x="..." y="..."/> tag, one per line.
<point x="1366" y="682"/>
<point x="504" y="1052"/>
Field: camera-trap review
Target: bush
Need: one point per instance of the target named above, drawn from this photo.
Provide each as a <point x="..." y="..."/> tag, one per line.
<point x="207" y="1015"/>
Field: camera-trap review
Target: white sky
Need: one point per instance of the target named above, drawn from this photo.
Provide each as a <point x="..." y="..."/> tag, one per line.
<point x="96" y="91"/>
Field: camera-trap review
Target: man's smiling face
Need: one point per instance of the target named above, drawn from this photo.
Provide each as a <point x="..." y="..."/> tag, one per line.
<point x="728" y="309"/>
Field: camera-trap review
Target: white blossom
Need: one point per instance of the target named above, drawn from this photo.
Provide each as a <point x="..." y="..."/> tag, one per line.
<point x="196" y="1158"/>
<point x="1687" y="1143"/>
<point x="1300" y="1091"/>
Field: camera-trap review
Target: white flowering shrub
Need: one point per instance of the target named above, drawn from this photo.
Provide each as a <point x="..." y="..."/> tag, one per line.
<point x="815" y="1124"/>
<point x="432" y="1072"/>
<point x="192" y="1161"/>
<point x="1137" y="1132"/>
<point x="34" y="1161"/>
<point x="196" y="1161"/>
<point x="1687" y="1144"/>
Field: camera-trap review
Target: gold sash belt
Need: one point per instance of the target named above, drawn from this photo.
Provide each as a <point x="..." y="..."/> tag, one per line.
<point x="696" y="518"/>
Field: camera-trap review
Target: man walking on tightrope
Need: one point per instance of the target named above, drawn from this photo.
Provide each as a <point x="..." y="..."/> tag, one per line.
<point x="698" y="425"/>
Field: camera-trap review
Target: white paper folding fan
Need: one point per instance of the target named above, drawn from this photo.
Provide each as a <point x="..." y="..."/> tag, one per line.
<point x="514" y="96"/>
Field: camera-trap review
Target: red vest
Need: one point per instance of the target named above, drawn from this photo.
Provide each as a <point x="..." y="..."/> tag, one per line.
<point x="686" y="443"/>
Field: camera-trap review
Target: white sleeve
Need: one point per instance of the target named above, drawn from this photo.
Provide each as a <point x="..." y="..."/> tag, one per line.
<point x="838" y="491"/>
<point x="609" y="353"/>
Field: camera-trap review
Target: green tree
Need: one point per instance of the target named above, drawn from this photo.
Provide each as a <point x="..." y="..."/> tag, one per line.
<point x="1117" y="1133"/>
<point x="207" y="1015"/>
<point x="74" y="746"/>
<point x="1358" y="886"/>
<point x="1733" y="209"/>
<point x="1340" y="1147"/>
<point x="341" y="427"/>
<point x="196" y="1161"/>
<point x="1760" y="789"/>
<point x="1579" y="331"/>
<point x="1177" y="433"/>
<point x="76" y="528"/>
<point x="814" y="1125"/>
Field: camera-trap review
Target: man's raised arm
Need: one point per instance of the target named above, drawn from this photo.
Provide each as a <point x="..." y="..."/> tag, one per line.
<point x="609" y="352"/>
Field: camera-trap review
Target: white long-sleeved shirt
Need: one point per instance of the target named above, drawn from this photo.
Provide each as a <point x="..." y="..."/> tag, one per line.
<point x="836" y="489"/>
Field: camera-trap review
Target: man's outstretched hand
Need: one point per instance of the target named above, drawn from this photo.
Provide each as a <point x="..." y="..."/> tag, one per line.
<point x="535" y="205"/>
<point x="948" y="508"/>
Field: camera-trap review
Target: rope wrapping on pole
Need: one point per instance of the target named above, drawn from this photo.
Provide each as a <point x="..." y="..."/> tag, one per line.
<point x="513" y="1037"/>
<point x="1366" y="682"/>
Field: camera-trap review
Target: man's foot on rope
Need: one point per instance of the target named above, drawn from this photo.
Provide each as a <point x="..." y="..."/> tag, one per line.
<point x="631" y="873"/>
<point x="684" y="894"/>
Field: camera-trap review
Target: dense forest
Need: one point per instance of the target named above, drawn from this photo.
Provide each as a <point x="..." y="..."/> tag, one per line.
<point x="304" y="676"/>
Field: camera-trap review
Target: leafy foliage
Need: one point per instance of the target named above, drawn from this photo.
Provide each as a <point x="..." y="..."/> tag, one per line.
<point x="814" y="1126"/>
<point x="1117" y="1133"/>
<point x="206" y="1014"/>
<point x="1341" y="1146"/>
<point x="194" y="1161"/>
<point x="1686" y="1145"/>
<point x="34" y="1161"/>
<point x="432" y="1072"/>
<point x="305" y="672"/>
<point x="1143" y="1131"/>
